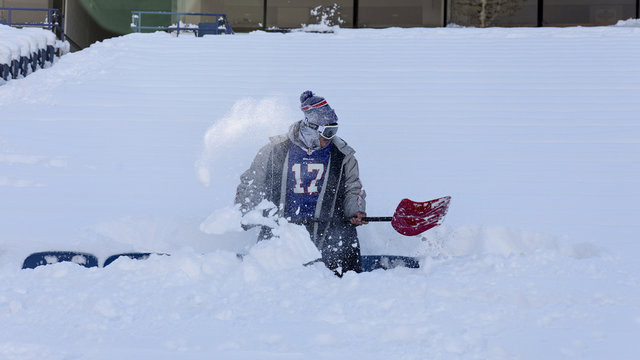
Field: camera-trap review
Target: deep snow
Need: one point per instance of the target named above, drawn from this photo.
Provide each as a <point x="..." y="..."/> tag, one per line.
<point x="133" y="143"/>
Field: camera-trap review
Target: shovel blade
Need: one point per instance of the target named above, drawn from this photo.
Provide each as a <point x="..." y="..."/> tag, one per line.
<point x="412" y="218"/>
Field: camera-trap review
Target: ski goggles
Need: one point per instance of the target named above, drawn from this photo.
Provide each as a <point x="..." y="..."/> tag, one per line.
<point x="326" y="131"/>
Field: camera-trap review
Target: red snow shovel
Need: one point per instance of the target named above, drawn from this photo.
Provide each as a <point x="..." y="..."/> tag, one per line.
<point x="413" y="218"/>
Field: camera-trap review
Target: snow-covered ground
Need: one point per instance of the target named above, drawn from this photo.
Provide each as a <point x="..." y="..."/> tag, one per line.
<point x="133" y="143"/>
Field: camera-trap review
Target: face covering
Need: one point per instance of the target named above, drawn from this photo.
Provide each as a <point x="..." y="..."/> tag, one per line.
<point x="309" y="138"/>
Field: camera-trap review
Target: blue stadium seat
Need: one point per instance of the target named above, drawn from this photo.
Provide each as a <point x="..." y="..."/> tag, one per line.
<point x="385" y="262"/>
<point x="50" y="53"/>
<point x="207" y="28"/>
<point x="42" y="57"/>
<point x="4" y="71"/>
<point x="130" y="255"/>
<point x="15" y="69"/>
<point x="34" y="62"/>
<point x="24" y="65"/>
<point x="51" y="257"/>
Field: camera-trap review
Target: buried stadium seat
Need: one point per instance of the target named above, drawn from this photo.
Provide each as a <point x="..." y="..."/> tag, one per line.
<point x="39" y="42"/>
<point x="33" y="61"/>
<point x="5" y="60"/>
<point x="50" y="54"/>
<point x="42" y="56"/>
<point x="52" y="257"/>
<point x="24" y="65"/>
<point x="15" y="68"/>
<point x="4" y="71"/>
<point x="23" y="51"/>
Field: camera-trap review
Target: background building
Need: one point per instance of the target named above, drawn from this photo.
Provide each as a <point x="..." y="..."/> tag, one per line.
<point x="87" y="21"/>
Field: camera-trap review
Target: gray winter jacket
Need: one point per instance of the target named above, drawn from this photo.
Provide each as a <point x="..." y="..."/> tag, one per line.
<point x="267" y="178"/>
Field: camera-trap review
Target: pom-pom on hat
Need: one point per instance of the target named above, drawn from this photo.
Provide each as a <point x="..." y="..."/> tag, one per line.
<point x="316" y="109"/>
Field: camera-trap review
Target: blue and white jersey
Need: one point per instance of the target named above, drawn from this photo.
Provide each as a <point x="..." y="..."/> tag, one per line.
<point x="305" y="176"/>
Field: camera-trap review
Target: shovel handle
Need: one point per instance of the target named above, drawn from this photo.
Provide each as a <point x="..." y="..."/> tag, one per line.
<point x="377" y="218"/>
<point x="372" y="219"/>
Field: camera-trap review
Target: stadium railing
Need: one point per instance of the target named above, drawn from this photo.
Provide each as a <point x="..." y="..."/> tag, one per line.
<point x="219" y="26"/>
<point x="55" y="20"/>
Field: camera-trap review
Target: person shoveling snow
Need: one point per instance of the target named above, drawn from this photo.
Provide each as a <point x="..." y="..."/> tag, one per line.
<point x="312" y="175"/>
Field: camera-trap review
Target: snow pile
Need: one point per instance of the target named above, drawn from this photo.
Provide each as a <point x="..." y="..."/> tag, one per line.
<point x="25" y="41"/>
<point x="290" y="248"/>
<point x="7" y="49"/>
<point x="533" y="132"/>
<point x="628" y="23"/>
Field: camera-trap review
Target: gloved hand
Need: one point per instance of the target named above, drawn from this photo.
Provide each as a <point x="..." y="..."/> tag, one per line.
<point x="357" y="218"/>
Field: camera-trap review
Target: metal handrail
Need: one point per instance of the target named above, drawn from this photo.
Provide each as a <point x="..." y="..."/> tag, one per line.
<point x="136" y="21"/>
<point x="55" y="19"/>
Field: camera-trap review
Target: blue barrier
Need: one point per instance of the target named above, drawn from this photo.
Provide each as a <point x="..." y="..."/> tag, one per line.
<point x="220" y="26"/>
<point x="54" y="22"/>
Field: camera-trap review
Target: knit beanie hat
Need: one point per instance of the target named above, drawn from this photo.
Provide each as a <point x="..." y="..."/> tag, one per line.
<point x="316" y="109"/>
